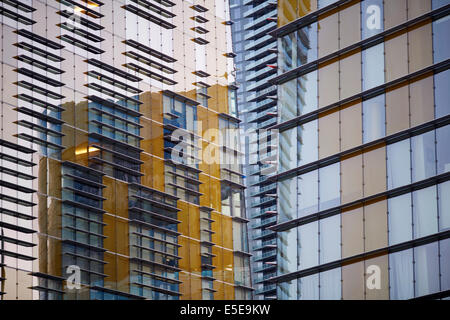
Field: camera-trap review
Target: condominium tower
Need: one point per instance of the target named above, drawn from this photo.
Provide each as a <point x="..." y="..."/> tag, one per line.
<point x="111" y="113"/>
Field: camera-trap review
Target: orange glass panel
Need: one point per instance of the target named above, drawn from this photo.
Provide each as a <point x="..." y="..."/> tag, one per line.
<point x="394" y="13"/>
<point x="417" y="8"/>
<point x="351" y="178"/>
<point x="421" y="100"/>
<point x="353" y="281"/>
<point x="328" y="33"/>
<point x="420" y="44"/>
<point x="351" y="125"/>
<point x="374" y="161"/>
<point x="350" y="24"/>
<point x="350" y="74"/>
<point x="194" y="257"/>
<point x="227" y="226"/>
<point x="352" y="232"/>
<point x="397" y="109"/>
<point x="328" y="83"/>
<point x="396" y="53"/>
<point x="375" y="225"/>
<point x="328" y="133"/>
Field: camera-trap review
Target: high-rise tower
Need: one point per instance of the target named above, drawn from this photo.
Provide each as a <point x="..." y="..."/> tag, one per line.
<point x="364" y="162"/>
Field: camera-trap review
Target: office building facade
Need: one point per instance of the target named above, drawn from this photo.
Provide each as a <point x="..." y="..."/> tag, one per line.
<point x="364" y="163"/>
<point x="109" y="110"/>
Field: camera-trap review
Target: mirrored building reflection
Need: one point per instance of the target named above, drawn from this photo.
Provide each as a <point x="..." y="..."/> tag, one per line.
<point x="95" y="202"/>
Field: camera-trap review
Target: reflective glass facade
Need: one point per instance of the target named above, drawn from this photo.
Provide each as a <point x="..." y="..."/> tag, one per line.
<point x="363" y="163"/>
<point x="107" y="109"/>
<point x="256" y="65"/>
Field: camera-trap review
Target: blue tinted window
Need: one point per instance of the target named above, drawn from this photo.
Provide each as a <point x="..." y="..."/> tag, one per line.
<point x="444" y="206"/>
<point x="308" y="193"/>
<point x="423" y="156"/>
<point x="443" y="150"/>
<point x="425" y="212"/>
<point x="373" y="66"/>
<point x="400" y="219"/>
<point x="308" y="245"/>
<point x="398" y="164"/>
<point x="308" y="287"/>
<point x="307" y="147"/>
<point x="426" y="269"/>
<point x="439" y="3"/>
<point x="401" y="275"/>
<point x="330" y="284"/>
<point x="330" y="239"/>
<point x="444" y="260"/>
<point x="441" y="93"/>
<point x="441" y="46"/>
<point x="329" y="186"/>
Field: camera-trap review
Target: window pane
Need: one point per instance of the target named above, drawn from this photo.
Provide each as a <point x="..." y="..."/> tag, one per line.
<point x="441" y="46"/>
<point x="398" y="164"/>
<point x="351" y="178"/>
<point x="328" y="83"/>
<point x="374" y="161"/>
<point x="375" y="225"/>
<point x="352" y="232"/>
<point x="426" y="269"/>
<point x="308" y="193"/>
<point x="328" y="35"/>
<point x="420" y="42"/>
<point x="372" y="17"/>
<point x="400" y="219"/>
<point x="441" y="93"/>
<point x="353" y="283"/>
<point x="423" y="156"/>
<point x="329" y="186"/>
<point x="397" y="109"/>
<point x="351" y="126"/>
<point x="444" y="259"/>
<point x="324" y="3"/>
<point x="373" y="66"/>
<point x="444" y="206"/>
<point x="288" y="150"/>
<point x="307" y="143"/>
<point x="330" y="284"/>
<point x="287" y="244"/>
<point x="439" y="3"/>
<point x="328" y="134"/>
<point x="421" y="102"/>
<point x="374" y="119"/>
<point x="308" y="245"/>
<point x="306" y="44"/>
<point x="308" y="287"/>
<point x="287" y="206"/>
<point x="330" y="239"/>
<point x="401" y="276"/>
<point x="425" y="212"/>
<point x="287" y="58"/>
<point x="307" y="93"/>
<point x="443" y="151"/>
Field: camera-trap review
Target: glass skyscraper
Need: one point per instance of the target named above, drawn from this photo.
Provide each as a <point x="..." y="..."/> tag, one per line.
<point x="107" y="110"/>
<point x="363" y="179"/>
